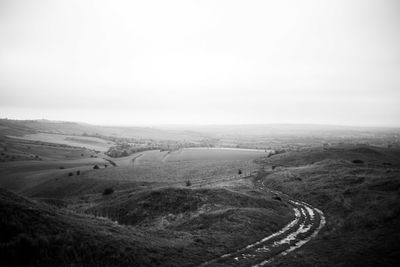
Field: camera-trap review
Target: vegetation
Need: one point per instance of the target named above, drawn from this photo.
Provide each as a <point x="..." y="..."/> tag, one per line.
<point x="360" y="201"/>
<point x="168" y="227"/>
<point x="180" y="207"/>
<point x="108" y="191"/>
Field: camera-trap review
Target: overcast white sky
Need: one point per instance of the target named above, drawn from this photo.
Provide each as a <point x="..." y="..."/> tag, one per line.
<point x="199" y="62"/>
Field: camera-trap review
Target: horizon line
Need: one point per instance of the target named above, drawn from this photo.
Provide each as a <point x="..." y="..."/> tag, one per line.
<point x="152" y="125"/>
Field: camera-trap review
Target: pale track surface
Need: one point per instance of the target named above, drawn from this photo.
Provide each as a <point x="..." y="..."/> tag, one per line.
<point x="307" y="223"/>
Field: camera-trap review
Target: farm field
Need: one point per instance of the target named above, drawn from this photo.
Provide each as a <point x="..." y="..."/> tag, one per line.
<point x="12" y="149"/>
<point x="184" y="164"/>
<point x="92" y="143"/>
<point x="151" y="168"/>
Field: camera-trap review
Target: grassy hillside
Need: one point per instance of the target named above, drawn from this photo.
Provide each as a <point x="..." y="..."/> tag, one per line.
<point x="91" y="143"/>
<point x="170" y="227"/>
<point x="358" y="188"/>
<point x="23" y="127"/>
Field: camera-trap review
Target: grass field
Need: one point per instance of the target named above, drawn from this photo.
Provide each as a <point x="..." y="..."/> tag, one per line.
<point x="182" y="165"/>
<point x="92" y="143"/>
<point x="358" y="188"/>
<point x="149" y="168"/>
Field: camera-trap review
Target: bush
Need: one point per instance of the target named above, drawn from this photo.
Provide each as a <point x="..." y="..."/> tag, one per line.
<point x="108" y="191"/>
<point x="239" y="171"/>
<point x="70" y="174"/>
<point x="61" y="167"/>
<point x="96" y="167"/>
<point x="358" y="161"/>
<point x="78" y="172"/>
<point x="188" y="183"/>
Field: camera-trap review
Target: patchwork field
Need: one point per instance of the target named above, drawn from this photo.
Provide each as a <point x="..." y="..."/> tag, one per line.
<point x="154" y="168"/>
<point x="92" y="143"/>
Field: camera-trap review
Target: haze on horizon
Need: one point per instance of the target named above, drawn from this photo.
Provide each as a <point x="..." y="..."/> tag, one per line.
<point x="201" y="62"/>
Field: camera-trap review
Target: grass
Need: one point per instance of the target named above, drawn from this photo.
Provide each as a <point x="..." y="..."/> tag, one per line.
<point x="169" y="227"/>
<point x="360" y="201"/>
<point x="23" y="150"/>
<point x="92" y="143"/>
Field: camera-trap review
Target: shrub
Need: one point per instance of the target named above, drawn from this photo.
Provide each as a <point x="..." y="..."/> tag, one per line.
<point x="95" y="167"/>
<point x="239" y="171"/>
<point x="61" y="167"/>
<point x="188" y="183"/>
<point x="70" y="174"/>
<point x="358" y="161"/>
<point x="108" y="191"/>
<point x="78" y="172"/>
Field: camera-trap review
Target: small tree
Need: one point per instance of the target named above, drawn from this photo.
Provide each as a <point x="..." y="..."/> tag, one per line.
<point x="239" y="171"/>
<point x="124" y="153"/>
<point x="188" y="183"/>
<point x="78" y="172"/>
<point x="108" y="191"/>
<point x="96" y="167"/>
<point x="70" y="174"/>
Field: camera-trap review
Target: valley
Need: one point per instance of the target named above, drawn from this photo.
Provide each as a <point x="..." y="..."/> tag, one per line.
<point x="72" y="204"/>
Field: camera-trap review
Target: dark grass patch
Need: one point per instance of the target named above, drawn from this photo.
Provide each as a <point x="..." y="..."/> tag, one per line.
<point x="361" y="204"/>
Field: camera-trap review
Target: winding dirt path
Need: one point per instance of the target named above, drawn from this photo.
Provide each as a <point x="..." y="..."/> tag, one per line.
<point x="307" y="223"/>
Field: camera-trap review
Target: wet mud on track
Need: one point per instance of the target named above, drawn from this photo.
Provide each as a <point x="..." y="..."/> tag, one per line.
<point x="307" y="223"/>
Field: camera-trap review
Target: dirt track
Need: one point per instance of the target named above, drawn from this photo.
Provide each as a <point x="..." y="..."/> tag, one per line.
<point x="307" y="223"/>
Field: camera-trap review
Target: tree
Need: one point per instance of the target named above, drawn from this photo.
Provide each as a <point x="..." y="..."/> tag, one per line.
<point x="124" y="153"/>
<point x="108" y="191"/>
<point x="239" y="171"/>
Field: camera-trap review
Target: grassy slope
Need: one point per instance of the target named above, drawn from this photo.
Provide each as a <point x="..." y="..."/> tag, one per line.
<point x="22" y="127"/>
<point x="361" y="202"/>
<point x="197" y="226"/>
<point x="46" y="236"/>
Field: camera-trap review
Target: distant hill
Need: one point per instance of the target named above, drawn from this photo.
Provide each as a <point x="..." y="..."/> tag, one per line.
<point x="197" y="132"/>
<point x="22" y="127"/>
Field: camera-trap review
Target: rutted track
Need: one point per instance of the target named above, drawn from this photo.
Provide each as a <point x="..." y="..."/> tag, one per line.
<point x="307" y="223"/>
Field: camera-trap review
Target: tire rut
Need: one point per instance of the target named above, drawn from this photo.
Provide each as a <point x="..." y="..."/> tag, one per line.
<point x="307" y="223"/>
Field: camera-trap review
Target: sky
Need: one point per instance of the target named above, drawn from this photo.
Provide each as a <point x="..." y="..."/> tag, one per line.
<point x="201" y="62"/>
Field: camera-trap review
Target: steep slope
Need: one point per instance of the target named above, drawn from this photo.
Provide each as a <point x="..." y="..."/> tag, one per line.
<point x="165" y="227"/>
<point x="358" y="188"/>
